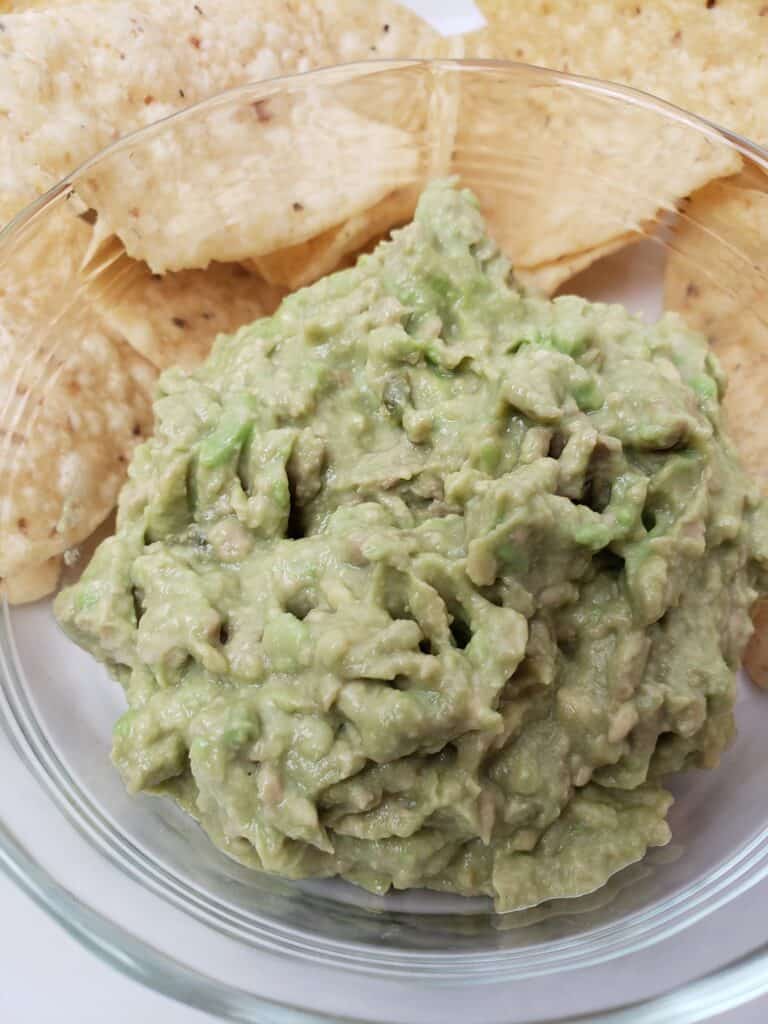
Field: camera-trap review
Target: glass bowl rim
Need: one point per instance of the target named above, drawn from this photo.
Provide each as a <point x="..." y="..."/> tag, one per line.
<point x="722" y="990"/>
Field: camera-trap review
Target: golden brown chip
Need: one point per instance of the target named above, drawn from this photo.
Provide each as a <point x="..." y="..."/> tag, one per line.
<point x="705" y="57"/>
<point x="561" y="175"/>
<point x="257" y="177"/>
<point x="547" y="277"/>
<point x="19" y="6"/>
<point x="173" y="319"/>
<point x="77" y="77"/>
<point x="302" y="264"/>
<point x="67" y="436"/>
<point x="716" y="277"/>
<point x="681" y="50"/>
<point x="75" y="398"/>
<point x="33" y="583"/>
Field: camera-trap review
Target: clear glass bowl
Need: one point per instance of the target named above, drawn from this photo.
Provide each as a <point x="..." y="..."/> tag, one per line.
<point x="679" y="935"/>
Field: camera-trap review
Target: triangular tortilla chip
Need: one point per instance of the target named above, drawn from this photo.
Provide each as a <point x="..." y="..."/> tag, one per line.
<point x="302" y="264"/>
<point x="561" y="173"/>
<point x="75" y="397"/>
<point x="716" y="279"/>
<point x="173" y="319"/>
<point x="708" y="57"/>
<point x="257" y="176"/>
<point x="77" y="77"/>
<point x="548" y="277"/>
<point x="33" y="583"/>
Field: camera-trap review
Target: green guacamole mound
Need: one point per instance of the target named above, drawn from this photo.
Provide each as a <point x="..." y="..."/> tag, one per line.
<point x="424" y="581"/>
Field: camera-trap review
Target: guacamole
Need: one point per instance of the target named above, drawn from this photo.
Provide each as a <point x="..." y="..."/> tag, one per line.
<point x="426" y="581"/>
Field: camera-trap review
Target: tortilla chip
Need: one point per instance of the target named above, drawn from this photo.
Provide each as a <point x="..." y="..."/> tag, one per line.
<point x="705" y="57"/>
<point x="411" y="101"/>
<point x="18" y="6"/>
<point x="32" y="584"/>
<point x="302" y="264"/>
<point x="585" y="172"/>
<point x="716" y="279"/>
<point x="76" y="417"/>
<point x="548" y="277"/>
<point x="247" y="183"/>
<point x="174" y="319"/>
<point x="75" y="78"/>
<point x="75" y="398"/>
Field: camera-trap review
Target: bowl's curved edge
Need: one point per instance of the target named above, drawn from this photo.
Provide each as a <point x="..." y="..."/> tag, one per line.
<point x="727" y="989"/>
<point x="340" y="72"/>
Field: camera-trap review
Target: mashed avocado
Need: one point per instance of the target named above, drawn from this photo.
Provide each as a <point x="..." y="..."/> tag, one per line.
<point x="424" y="581"/>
